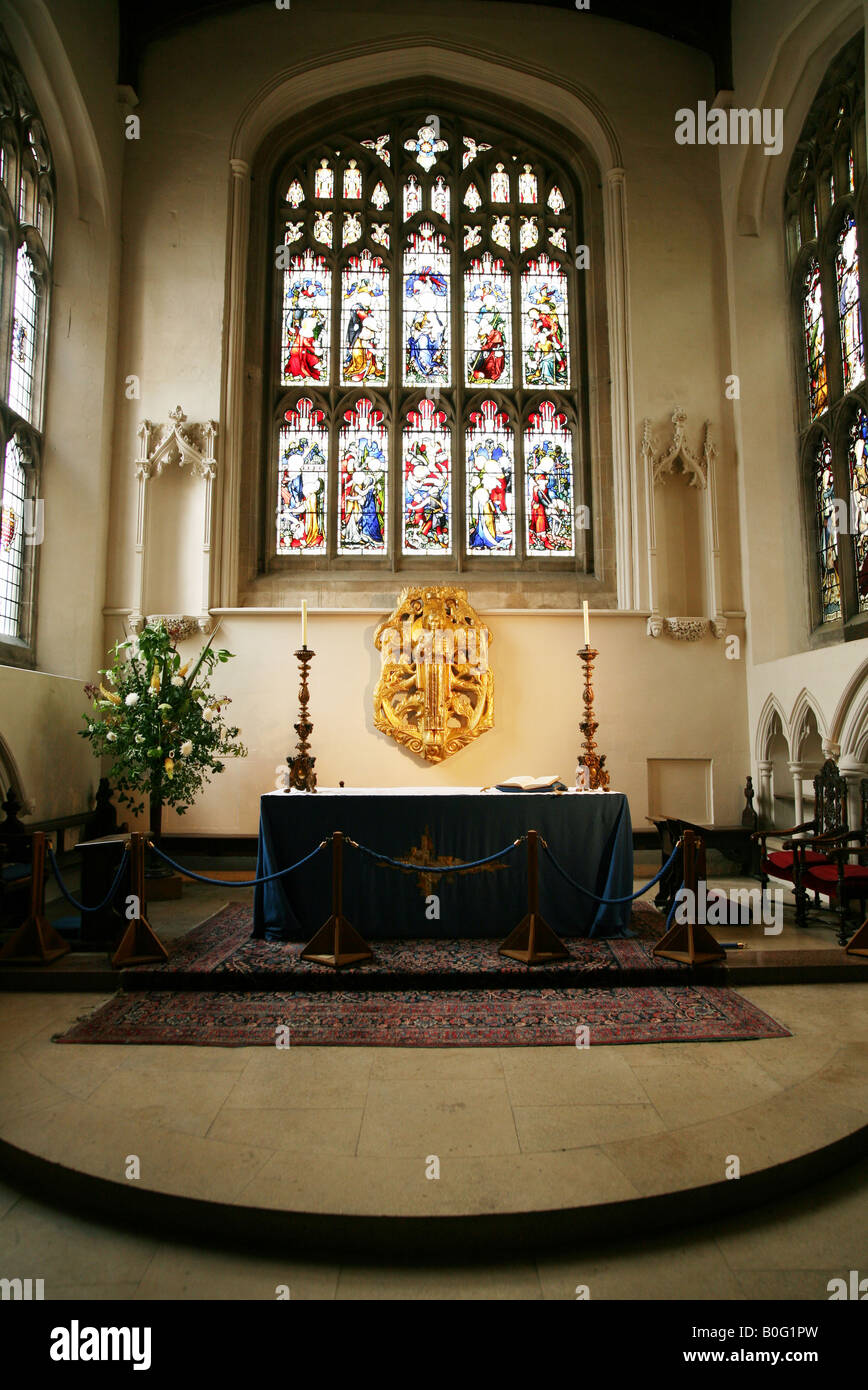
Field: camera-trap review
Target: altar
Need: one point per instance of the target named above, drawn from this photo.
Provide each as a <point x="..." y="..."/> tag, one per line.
<point x="590" y="835"/>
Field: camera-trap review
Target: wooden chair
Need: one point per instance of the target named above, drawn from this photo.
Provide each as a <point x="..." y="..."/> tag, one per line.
<point x="796" y="857"/>
<point x="842" y="881"/>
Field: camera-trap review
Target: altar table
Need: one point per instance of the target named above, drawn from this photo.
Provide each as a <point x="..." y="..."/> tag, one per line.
<point x="589" y="833"/>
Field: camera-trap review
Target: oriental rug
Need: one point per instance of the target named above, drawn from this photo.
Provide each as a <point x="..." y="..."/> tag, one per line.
<point x="428" y="1018"/>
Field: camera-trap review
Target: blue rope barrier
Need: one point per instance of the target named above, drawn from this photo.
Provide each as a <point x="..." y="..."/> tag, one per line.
<point x="673" y="907"/>
<point x="80" y="907"/>
<point x="610" y="902"/>
<point x="244" y="882"/>
<point x="435" y="868"/>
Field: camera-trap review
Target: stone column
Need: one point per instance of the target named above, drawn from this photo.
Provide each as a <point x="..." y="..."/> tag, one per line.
<point x="798" y="771"/>
<point x="765" y="805"/>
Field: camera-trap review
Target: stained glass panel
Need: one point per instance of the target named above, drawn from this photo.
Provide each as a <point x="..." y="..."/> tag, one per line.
<point x="858" y="461"/>
<point x="352" y="228"/>
<point x="472" y="199"/>
<point x="815" y="342"/>
<point x="849" y="310"/>
<point x="490" y="473"/>
<point x="472" y="236"/>
<point x="528" y="235"/>
<point x="363" y="482"/>
<point x="295" y="194"/>
<point x="380" y="196"/>
<point x="365" y="321"/>
<point x="500" y="233"/>
<point x="324" y="181"/>
<point x="555" y="201"/>
<point x="426" y="147"/>
<point x="827" y="530"/>
<point x="12" y="540"/>
<point x="322" y="228"/>
<point x="487" y="323"/>
<point x="412" y="197"/>
<point x="558" y="237"/>
<point x="499" y="185"/>
<point x="440" y="198"/>
<point x="380" y="146"/>
<point x="548" y="481"/>
<point x="544" y="333"/>
<point x="426" y="308"/>
<point x="24" y="315"/>
<point x="380" y="233"/>
<point x="302" y="489"/>
<point x="352" y="180"/>
<point x="851" y="172"/>
<point x="527" y="185"/>
<point x="471" y="150"/>
<point x="306" y="319"/>
<point x="427" y="469"/>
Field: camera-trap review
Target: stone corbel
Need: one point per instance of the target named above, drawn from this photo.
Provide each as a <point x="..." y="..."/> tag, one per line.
<point x="699" y="470"/>
<point x="188" y="445"/>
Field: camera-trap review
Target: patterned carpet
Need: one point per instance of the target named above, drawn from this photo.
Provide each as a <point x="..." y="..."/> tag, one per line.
<point x="420" y="1018"/>
<point x="223" y="949"/>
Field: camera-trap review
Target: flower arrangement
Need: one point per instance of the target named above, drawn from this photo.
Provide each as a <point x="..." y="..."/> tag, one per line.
<point x="159" y="723"/>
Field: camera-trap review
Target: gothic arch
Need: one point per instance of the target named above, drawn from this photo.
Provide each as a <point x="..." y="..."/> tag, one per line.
<point x="410" y="59"/>
<point x="805" y="704"/>
<point x="771" y="709"/>
<point x="849" y="728"/>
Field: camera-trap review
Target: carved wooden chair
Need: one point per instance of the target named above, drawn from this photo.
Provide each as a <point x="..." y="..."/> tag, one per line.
<point x="842" y="881"/>
<point x="817" y="842"/>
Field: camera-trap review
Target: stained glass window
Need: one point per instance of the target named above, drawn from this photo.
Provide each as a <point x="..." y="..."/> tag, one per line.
<point x="24" y="317"/>
<point x="827" y="529"/>
<point x="363" y="482"/>
<point x="527" y="185"/>
<point x="303" y="481"/>
<point x="324" y="181"/>
<point x="487" y="323"/>
<point x="376" y="421"/>
<point x="548" y="474"/>
<point x="412" y="197"/>
<point x="858" y="461"/>
<point x="365" y="321"/>
<point x="815" y="344"/>
<point x="426" y="308"/>
<point x="490" y="471"/>
<point x="427" y="475"/>
<point x="306" y="319"/>
<point x="849" y="310"/>
<point x="544" y="332"/>
<point x="440" y="197"/>
<point x="12" y="539"/>
<point x="823" y="189"/>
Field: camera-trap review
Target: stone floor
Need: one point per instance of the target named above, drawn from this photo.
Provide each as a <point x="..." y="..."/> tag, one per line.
<point x="303" y="1128"/>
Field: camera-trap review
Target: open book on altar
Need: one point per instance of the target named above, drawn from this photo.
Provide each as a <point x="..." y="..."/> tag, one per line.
<point x="531" y="784"/>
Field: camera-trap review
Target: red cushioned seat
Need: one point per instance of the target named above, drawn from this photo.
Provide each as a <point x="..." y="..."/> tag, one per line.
<point x="780" y="864"/>
<point x="824" y="879"/>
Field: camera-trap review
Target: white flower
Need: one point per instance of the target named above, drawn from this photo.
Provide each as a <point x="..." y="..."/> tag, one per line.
<point x="152" y="692"/>
<point x="132" y="698"/>
<point x="209" y="714"/>
<point x="140" y="738"/>
<point x="186" y="748"/>
<point x="177" y="680"/>
<point x="112" y="738"/>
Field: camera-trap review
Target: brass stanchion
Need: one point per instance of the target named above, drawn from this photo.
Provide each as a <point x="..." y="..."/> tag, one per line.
<point x="690" y="943"/>
<point x="139" y="944"/>
<point x="36" y="942"/>
<point x="337" y="942"/>
<point x="533" y="940"/>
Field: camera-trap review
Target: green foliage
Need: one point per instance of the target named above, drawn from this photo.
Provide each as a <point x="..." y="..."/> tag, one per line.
<point x="158" y="721"/>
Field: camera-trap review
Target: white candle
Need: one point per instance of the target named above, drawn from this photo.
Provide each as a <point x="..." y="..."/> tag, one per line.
<point x="304" y="622"/>
<point x="587" y="623"/>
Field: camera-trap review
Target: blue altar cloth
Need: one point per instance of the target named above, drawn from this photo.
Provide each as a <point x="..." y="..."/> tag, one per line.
<point x="590" y="834"/>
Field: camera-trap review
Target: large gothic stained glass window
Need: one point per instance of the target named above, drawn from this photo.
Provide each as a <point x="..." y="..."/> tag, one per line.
<point x="825" y="190"/>
<point x="27" y="202"/>
<point x="426" y="352"/>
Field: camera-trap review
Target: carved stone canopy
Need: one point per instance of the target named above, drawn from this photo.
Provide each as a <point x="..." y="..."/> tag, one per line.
<point x="177" y="443"/>
<point x="436" y="690"/>
<point x="678" y="451"/>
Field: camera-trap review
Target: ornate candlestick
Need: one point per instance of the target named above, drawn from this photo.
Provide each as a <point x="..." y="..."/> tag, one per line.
<point x="598" y="776"/>
<point x="301" y="774"/>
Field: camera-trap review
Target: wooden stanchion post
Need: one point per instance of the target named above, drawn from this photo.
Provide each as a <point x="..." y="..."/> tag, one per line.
<point x="690" y="942"/>
<point x="139" y="944"/>
<point x="337" y="942"/>
<point x="533" y="942"/>
<point x="36" y="942"/>
<point x="858" y="943"/>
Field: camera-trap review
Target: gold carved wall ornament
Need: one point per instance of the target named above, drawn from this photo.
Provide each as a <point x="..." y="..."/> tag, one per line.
<point x="436" y="689"/>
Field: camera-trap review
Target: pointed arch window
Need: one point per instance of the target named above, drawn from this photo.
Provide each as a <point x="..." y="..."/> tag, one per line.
<point x="824" y="201"/>
<point x="428" y="375"/>
<point x="27" y="207"/>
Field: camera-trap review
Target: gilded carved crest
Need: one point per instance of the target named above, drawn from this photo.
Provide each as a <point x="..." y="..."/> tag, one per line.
<point x="436" y="690"/>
